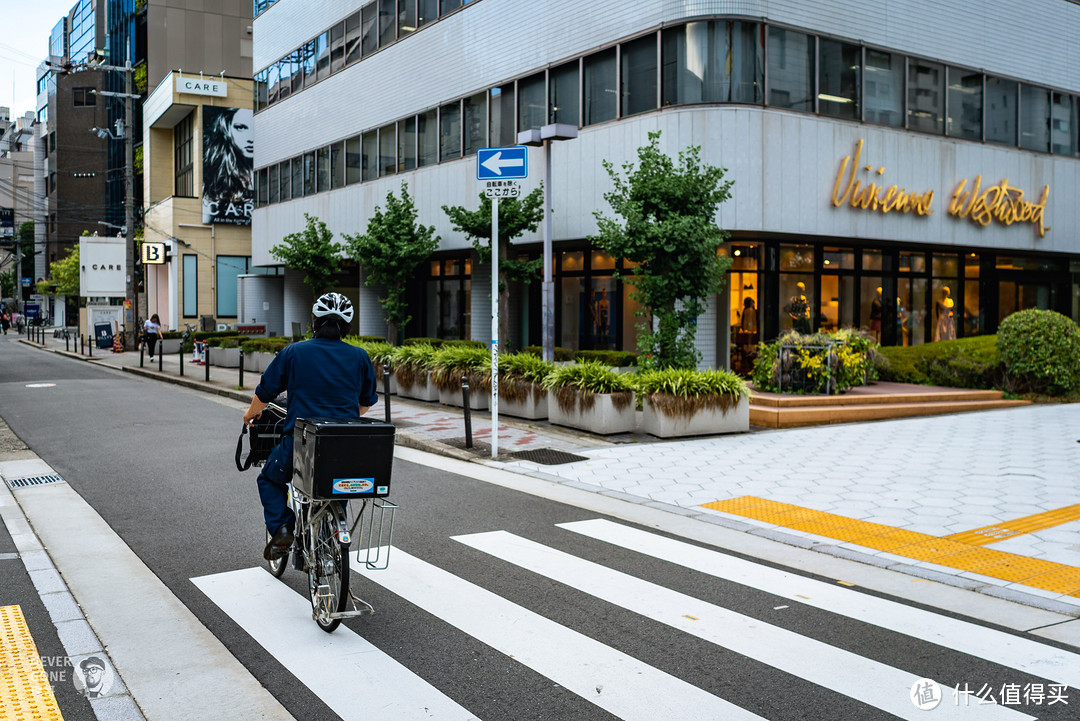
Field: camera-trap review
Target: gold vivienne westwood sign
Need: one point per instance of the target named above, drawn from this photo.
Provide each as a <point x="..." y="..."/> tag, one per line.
<point x="1000" y="202"/>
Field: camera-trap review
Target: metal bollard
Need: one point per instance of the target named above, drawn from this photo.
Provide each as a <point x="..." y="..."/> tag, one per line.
<point x="386" y="389"/>
<point x="468" y="412"/>
<point x="241" y="384"/>
<point x="67" y="342"/>
<point x="206" y="360"/>
<point x="90" y="350"/>
<point x="142" y="350"/>
<point x="160" y="357"/>
<point x="181" y="358"/>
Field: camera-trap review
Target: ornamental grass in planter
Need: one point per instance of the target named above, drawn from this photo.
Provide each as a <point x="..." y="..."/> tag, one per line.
<point x="225" y="352"/>
<point x="592" y="397"/>
<point x="521" y="390"/>
<point x="381" y="354"/>
<point x="452" y="364"/>
<point x="684" y="402"/>
<point x="412" y="364"/>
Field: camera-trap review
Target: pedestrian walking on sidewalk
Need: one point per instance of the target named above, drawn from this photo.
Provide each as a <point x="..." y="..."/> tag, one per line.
<point x="151" y="333"/>
<point x="5" y="321"/>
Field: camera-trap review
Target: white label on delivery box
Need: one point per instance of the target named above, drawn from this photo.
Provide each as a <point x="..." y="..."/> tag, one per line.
<point x="353" y="485"/>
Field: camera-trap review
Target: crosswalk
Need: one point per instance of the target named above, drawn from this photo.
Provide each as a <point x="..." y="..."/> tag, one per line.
<point x="357" y="680"/>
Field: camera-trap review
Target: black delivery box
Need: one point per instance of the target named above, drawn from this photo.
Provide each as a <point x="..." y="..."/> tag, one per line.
<point x="342" y="458"/>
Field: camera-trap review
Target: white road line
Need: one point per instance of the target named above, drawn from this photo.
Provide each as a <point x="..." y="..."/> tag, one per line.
<point x="1002" y="648"/>
<point x="606" y="677"/>
<point x="355" y="679"/>
<point x="864" y="679"/>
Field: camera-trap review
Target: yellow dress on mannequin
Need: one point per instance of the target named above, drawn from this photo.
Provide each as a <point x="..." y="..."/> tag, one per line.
<point x="945" y="328"/>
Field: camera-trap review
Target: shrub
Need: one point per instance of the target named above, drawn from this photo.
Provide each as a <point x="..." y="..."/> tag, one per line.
<point x="411" y="363"/>
<point x="433" y="342"/>
<point x="522" y="374"/>
<point x="961" y="363"/>
<point x="580" y="382"/>
<point x="681" y="392"/>
<point x="452" y="363"/>
<point x="370" y="338"/>
<point x="1041" y="351"/>
<point x="379" y="351"/>
<point x="561" y="354"/>
<point x="264" y="345"/>
<point x="811" y="365"/>
<point x="465" y="342"/>
<point x="614" y="358"/>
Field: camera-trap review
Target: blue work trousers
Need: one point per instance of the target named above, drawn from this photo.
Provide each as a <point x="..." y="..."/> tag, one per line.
<point x="273" y="486"/>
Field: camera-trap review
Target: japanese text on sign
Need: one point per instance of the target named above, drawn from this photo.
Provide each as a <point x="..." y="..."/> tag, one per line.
<point x="502" y="189"/>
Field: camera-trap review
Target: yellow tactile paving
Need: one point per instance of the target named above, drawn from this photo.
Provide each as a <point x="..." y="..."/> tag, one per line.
<point x="25" y="692"/>
<point x="1020" y="526"/>
<point x="950" y="551"/>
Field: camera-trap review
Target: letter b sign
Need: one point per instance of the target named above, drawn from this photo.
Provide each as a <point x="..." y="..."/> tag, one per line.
<point x="153" y="253"/>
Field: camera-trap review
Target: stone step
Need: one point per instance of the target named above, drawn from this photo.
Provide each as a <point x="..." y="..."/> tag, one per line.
<point x="823" y="414"/>
<point x="776" y="400"/>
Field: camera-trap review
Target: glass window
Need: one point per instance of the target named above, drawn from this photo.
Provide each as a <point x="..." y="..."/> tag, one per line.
<point x="284" y="180"/>
<point x="836" y="302"/>
<point x="1063" y="130"/>
<point x="322" y="169"/>
<point x="427" y="134"/>
<point x="370" y="149"/>
<point x="273" y="81"/>
<point x="352" y="38"/>
<point x="532" y="108"/>
<point x="298" y="176"/>
<point x="1001" y="111"/>
<point x="406" y="153"/>
<point x="838" y="259"/>
<point x="871" y="260"/>
<point x="965" y="104"/>
<point x="450" y="131"/>
<point x="337" y="165"/>
<point x="369" y="32"/>
<point x="309" y="173"/>
<point x="446" y="6"/>
<point x="427" y="11"/>
<point x="296" y="76"/>
<point x="354" y="161"/>
<point x="563" y="93"/>
<point x="796" y="290"/>
<point x="337" y="47"/>
<point x="261" y="193"/>
<point x="272" y="195"/>
<point x="912" y="262"/>
<point x="600" y="90"/>
<point x="228" y="268"/>
<point x="639" y="75"/>
<point x="307" y="63"/>
<point x="945" y="310"/>
<point x="322" y="56"/>
<point x="797" y="257"/>
<point x="871" y="311"/>
<point x="387" y="22"/>
<point x="885" y="89"/>
<point x="191" y="285"/>
<point x="388" y="149"/>
<point x="475" y="122"/>
<point x="791" y="69"/>
<point x="926" y="96"/>
<point x="911" y="311"/>
<point x="839" y="79"/>
<point x="502" y="116"/>
<point x="945" y="266"/>
<point x="406" y="17"/>
<point x="183" y="162"/>
<point x="1034" y="118"/>
<point x="717" y="61"/>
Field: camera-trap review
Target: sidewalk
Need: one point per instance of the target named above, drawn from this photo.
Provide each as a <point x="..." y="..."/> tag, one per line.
<point x="986" y="500"/>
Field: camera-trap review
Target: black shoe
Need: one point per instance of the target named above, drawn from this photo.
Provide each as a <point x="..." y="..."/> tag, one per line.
<point x="279" y="544"/>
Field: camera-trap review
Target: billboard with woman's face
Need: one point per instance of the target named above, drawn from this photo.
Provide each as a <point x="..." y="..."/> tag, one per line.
<point x="228" y="162"/>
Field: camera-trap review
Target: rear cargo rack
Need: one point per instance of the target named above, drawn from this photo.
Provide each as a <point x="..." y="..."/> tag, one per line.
<point x="376" y="534"/>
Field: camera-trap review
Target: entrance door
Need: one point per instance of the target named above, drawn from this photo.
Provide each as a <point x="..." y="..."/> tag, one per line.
<point x="1020" y="295"/>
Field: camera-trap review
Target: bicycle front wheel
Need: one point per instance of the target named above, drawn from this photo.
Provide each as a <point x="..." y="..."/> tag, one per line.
<point x="328" y="572"/>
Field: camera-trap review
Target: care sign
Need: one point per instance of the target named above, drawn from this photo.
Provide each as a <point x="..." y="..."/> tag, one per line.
<point x="102" y="267"/>
<point x="216" y="87"/>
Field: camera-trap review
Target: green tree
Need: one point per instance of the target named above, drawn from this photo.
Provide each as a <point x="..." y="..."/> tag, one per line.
<point x="667" y="226"/>
<point x="516" y="215"/>
<point x="65" y="273"/>
<point x="312" y="251"/>
<point x="389" y="252"/>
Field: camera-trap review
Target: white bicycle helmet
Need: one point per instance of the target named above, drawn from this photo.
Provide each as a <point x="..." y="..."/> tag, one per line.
<point x="333" y="304"/>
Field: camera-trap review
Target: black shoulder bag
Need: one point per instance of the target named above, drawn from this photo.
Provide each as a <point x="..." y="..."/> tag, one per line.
<point x="265" y="434"/>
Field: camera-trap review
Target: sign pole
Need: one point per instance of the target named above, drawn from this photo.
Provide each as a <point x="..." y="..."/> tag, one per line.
<point x="495" y="327"/>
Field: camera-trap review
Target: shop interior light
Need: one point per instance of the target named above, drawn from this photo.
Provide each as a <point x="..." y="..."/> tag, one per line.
<point x="834" y="98"/>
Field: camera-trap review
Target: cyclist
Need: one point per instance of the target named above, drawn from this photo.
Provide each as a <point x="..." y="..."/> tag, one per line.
<point x="325" y="378"/>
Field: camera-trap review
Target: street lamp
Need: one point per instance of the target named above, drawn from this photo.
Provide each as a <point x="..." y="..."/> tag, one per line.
<point x="542" y="137"/>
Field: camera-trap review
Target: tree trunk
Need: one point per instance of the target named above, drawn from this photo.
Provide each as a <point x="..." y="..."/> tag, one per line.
<point x="391" y="332"/>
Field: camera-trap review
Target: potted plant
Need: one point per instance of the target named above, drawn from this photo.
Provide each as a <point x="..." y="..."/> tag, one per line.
<point x="170" y="342"/>
<point x="521" y="390"/>
<point x="592" y="397"/>
<point x="225" y="353"/>
<point x="259" y="352"/>
<point x="454" y="362"/>
<point x="412" y="363"/>
<point x="685" y="402"/>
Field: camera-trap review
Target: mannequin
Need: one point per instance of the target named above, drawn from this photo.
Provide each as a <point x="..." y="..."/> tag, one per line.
<point x="875" y="316"/>
<point x="798" y="309"/>
<point x="945" y="328"/>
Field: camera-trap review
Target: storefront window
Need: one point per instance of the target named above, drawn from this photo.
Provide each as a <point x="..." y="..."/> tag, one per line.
<point x="1034" y="115"/>
<point x="572" y="306"/>
<point x="796" y="290"/>
<point x="838" y="79"/>
<point x="639" y="75"/>
<point x="884" y="88"/>
<point x="965" y="104"/>
<point x="871" y="260"/>
<point x="1016" y="296"/>
<point x="743" y="307"/>
<point x="603" y="294"/>
<point x="600" y="260"/>
<point x="911" y="311"/>
<point x="599" y="85"/>
<point x="797" y="257"/>
<point x="972" y="308"/>
<point x="926" y="96"/>
<point x="791" y="69"/>
<point x="838" y="259"/>
<point x="836" y="307"/>
<point x="446" y="309"/>
<point x="912" y="262"/>
<point x="946" y="310"/>
<point x="872" y="308"/>
<point x="1001" y="111"/>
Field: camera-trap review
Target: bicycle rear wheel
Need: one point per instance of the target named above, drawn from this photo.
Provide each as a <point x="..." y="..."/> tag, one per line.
<point x="328" y="574"/>
<point x="277" y="565"/>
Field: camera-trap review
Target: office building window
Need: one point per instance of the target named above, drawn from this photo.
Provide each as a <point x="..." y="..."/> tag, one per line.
<point x="884" y="88"/>
<point x="183" y="154"/>
<point x="284" y="180"/>
<point x="1034" y="118"/>
<point x="791" y="69"/>
<point x="309" y="173"/>
<point x="83" y="97"/>
<point x="191" y="285"/>
<point x="450" y="131"/>
<point x="352" y="38"/>
<point x="369" y="42"/>
<point x="322" y="170"/>
<point x="427" y="135"/>
<point x="1063" y="130"/>
<point x="322" y="56"/>
<point x="337" y="47"/>
<point x="475" y="122"/>
<point x="839" y="79"/>
<point x="639" y="75"/>
<point x="337" y="165"/>
<point x="926" y="96"/>
<point x="307" y="63"/>
<point x="229" y="267"/>
<point x="532" y="102"/>
<point x="387" y="22"/>
<point x="427" y="11"/>
<point x="502" y="116"/>
<point x="406" y="138"/>
<point x="388" y="149"/>
<point x="563" y="94"/>
<point x="711" y="62"/>
<point x="446" y="6"/>
<point x="1001" y="110"/>
<point x="354" y="161"/>
<point x="273" y="195"/>
<point x="370" y="150"/>
<point x="407" y="22"/>
<point x="965" y="104"/>
<point x="600" y="89"/>
<point x="298" y="176"/>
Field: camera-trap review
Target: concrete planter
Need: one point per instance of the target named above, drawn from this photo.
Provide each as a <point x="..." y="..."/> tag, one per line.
<point x="256" y="362"/>
<point x="170" y="346"/>
<point x="603" y="418"/>
<point x="426" y="391"/>
<point x="530" y="408"/>
<point x="393" y="385"/>
<point x="224" y="357"/>
<point x="478" y="400"/>
<point x="703" y="423"/>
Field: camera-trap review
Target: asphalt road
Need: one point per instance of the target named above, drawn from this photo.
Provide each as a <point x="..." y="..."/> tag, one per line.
<point x="155" y="461"/>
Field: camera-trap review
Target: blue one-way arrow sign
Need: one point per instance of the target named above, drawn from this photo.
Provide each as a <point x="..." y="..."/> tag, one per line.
<point x="502" y="163"/>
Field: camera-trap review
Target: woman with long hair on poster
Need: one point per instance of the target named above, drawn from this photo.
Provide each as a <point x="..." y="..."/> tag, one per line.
<point x="228" y="163"/>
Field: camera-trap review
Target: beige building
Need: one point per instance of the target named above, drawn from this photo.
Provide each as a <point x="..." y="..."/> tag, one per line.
<point x="197" y="184"/>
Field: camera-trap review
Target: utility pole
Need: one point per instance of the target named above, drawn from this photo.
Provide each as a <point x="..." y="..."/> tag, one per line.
<point x="129" y="206"/>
